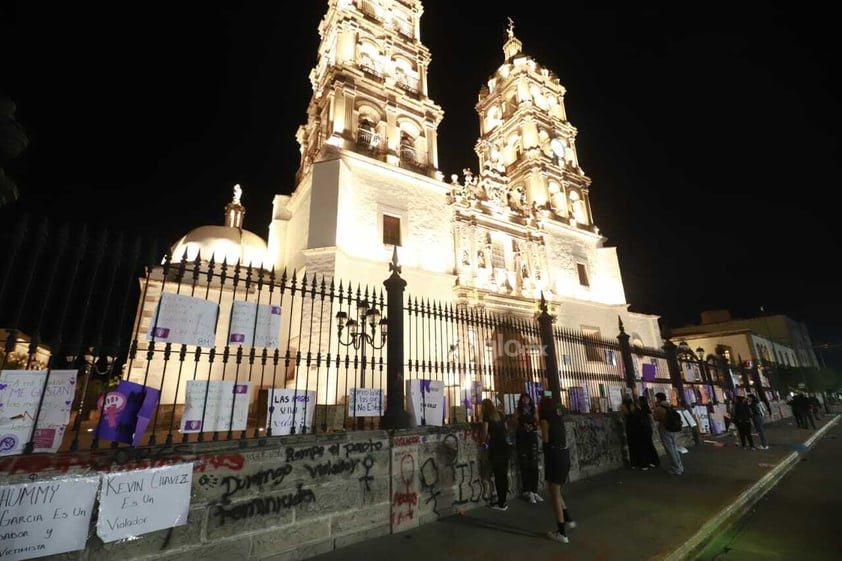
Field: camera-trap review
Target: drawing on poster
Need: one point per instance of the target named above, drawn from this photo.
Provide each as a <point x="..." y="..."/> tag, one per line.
<point x="126" y="412"/>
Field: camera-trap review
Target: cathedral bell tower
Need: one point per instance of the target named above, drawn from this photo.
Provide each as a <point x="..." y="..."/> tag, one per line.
<point x="527" y="146"/>
<point x="529" y="188"/>
<point x="370" y="88"/>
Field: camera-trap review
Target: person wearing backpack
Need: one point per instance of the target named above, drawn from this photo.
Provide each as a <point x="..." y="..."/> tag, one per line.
<point x="664" y="414"/>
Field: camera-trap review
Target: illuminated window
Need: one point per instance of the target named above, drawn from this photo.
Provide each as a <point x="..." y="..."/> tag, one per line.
<point x="391" y="230"/>
<point x="583" y="274"/>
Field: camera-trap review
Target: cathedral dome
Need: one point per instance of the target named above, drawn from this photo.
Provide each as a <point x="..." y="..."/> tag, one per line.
<point x="228" y="242"/>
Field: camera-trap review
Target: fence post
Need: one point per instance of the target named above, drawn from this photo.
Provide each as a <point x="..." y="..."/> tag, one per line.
<point x="545" y="324"/>
<point x="674" y="369"/>
<point x="395" y="416"/>
<point x="625" y="353"/>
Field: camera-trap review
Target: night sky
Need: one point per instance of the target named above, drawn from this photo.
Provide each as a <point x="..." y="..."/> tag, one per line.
<point x="711" y="132"/>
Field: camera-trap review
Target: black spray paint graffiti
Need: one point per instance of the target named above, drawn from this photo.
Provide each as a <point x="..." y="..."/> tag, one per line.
<point x="332" y="467"/>
<point x="232" y="484"/>
<point x="473" y="484"/>
<point x="262" y="506"/>
<point x="367" y="478"/>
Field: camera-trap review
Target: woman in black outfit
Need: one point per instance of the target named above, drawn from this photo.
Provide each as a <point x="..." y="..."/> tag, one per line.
<point x="526" y="441"/>
<point x="742" y="418"/>
<point x="556" y="464"/>
<point x="493" y="437"/>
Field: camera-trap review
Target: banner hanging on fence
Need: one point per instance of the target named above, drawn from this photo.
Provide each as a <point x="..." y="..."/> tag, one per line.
<point x="288" y="408"/>
<point x="226" y="406"/>
<point x="47" y="517"/>
<point x="254" y="325"/>
<point x="125" y="412"/>
<point x="184" y="319"/>
<point x="20" y="395"/>
<point x="426" y="402"/>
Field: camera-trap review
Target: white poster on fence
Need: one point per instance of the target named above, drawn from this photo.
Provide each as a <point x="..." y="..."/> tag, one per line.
<point x="365" y="402"/>
<point x="426" y="402"/>
<point x="226" y="406"/>
<point x="288" y="408"/>
<point x="46" y="517"/>
<point x="701" y="412"/>
<point x="254" y="325"/>
<point x="20" y="395"/>
<point x="184" y="319"/>
<point x="136" y="502"/>
<point x="615" y="397"/>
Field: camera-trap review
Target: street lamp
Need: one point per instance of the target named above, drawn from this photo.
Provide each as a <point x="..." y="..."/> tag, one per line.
<point x="362" y="331"/>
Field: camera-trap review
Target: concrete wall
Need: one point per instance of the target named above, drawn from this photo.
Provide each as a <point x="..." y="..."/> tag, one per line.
<point x="293" y="497"/>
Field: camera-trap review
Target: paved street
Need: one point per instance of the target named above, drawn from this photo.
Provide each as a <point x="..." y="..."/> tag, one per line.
<point x="798" y="519"/>
<point x="624" y="515"/>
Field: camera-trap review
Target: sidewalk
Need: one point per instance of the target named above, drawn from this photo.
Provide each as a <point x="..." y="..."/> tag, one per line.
<point x="622" y="515"/>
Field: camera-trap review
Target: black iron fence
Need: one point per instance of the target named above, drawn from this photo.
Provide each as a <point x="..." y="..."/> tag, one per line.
<point x="108" y="342"/>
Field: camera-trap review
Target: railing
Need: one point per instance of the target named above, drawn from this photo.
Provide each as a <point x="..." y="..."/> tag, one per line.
<point x="105" y="342"/>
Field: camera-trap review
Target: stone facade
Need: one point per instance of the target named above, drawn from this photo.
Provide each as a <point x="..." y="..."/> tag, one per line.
<point x="294" y="497"/>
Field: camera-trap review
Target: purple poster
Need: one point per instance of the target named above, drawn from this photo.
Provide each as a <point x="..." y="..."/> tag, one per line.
<point x="535" y="391"/>
<point x="649" y="372"/>
<point x="126" y="412"/>
<point x="578" y="400"/>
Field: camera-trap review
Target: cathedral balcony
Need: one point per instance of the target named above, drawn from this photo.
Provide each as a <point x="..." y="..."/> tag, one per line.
<point x="371" y="71"/>
<point x="369" y="10"/>
<point x="409" y="87"/>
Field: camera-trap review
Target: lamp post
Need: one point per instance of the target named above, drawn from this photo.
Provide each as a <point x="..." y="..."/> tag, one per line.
<point x="361" y="333"/>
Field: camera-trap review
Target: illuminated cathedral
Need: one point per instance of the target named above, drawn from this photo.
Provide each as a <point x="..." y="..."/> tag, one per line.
<point x="498" y="238"/>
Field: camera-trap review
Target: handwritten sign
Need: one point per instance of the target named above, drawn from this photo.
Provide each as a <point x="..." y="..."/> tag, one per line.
<point x="45" y="518"/>
<point x="365" y="402"/>
<point x="20" y="393"/>
<point x="288" y="408"/>
<point x="184" y="319"/>
<point x="426" y="402"/>
<point x="137" y="502"/>
<point x="215" y="405"/>
<point x="253" y="324"/>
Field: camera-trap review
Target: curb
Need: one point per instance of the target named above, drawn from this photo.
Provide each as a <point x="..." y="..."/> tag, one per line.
<point x="734" y="511"/>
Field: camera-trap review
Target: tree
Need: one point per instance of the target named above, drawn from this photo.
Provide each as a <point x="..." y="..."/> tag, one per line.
<point x="13" y="141"/>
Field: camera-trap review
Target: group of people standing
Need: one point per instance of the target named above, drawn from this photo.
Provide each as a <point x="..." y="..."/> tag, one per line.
<point x="533" y="426"/>
<point x="748" y="411"/>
